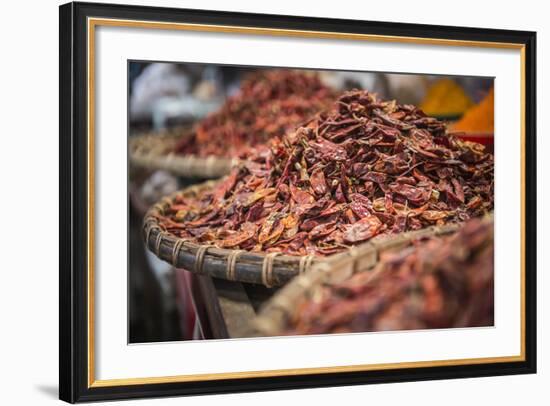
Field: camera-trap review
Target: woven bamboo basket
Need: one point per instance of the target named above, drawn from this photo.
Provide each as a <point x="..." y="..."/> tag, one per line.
<point x="274" y="316"/>
<point x="156" y="151"/>
<point x="269" y="269"/>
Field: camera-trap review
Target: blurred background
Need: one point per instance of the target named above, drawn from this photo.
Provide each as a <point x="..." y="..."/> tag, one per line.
<point x="163" y="96"/>
<point x="169" y="94"/>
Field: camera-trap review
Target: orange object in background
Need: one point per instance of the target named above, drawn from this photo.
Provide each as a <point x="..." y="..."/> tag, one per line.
<point x="478" y="123"/>
<point x="480" y="118"/>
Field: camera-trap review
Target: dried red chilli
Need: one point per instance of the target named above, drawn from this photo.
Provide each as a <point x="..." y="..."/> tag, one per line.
<point x="441" y="282"/>
<point x="364" y="168"/>
<point x="268" y="104"/>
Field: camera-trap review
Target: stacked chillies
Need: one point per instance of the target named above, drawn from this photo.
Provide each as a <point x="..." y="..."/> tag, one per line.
<point x="268" y="104"/>
<point x="363" y="168"/>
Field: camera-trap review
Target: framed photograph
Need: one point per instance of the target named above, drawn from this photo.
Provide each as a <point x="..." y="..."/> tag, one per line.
<point x="257" y="202"/>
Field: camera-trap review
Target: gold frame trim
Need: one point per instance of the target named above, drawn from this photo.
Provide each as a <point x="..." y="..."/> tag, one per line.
<point x="94" y="22"/>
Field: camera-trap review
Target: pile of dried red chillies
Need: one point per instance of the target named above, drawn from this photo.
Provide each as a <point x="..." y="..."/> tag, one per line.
<point x="443" y="282"/>
<point x="268" y="104"/>
<point x="363" y="168"/>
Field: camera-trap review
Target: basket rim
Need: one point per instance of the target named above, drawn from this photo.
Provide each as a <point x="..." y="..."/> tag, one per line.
<point x="187" y="165"/>
<point x="271" y="269"/>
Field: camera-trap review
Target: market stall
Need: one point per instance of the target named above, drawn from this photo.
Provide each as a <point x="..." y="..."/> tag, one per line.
<point x="310" y="172"/>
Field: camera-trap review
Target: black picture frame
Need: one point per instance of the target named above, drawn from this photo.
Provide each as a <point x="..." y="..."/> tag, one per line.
<point x="73" y="288"/>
